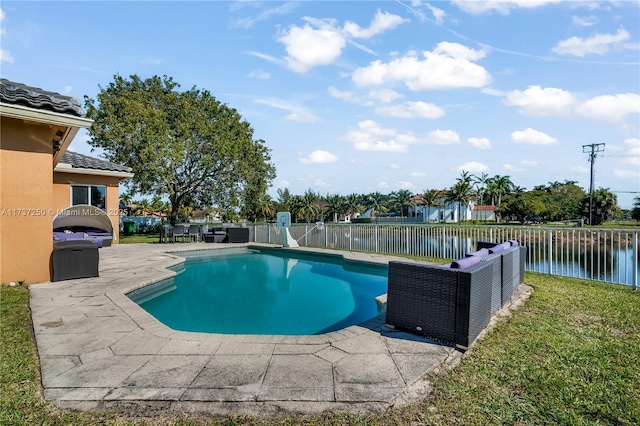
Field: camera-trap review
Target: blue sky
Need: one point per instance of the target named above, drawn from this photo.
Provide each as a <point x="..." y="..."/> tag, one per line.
<point x="367" y="96"/>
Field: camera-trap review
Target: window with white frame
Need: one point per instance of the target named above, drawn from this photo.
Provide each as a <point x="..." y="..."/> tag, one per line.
<point x="94" y="195"/>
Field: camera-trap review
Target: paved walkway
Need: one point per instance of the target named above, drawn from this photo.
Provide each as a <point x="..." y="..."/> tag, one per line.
<point x="99" y="350"/>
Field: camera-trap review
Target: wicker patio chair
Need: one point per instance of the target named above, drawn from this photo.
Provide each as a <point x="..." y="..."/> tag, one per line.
<point x="445" y="304"/>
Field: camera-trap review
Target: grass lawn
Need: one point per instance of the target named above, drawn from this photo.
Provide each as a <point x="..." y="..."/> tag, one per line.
<point x="570" y="355"/>
<point x="139" y="238"/>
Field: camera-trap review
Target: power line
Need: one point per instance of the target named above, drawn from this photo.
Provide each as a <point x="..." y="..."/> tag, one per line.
<point x="593" y="151"/>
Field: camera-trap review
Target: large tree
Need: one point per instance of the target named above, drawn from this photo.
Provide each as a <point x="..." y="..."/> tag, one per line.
<point x="431" y="198"/>
<point x="460" y="193"/>
<point x="182" y="145"/>
<point x="635" y="212"/>
<point x="605" y="205"/>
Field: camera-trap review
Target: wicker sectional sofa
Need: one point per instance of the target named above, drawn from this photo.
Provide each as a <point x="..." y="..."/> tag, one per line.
<point x="454" y="303"/>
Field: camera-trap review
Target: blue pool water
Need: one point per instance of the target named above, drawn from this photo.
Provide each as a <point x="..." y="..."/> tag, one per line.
<point x="251" y="292"/>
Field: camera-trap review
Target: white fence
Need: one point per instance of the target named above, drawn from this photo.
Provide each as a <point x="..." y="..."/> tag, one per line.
<point x="607" y="255"/>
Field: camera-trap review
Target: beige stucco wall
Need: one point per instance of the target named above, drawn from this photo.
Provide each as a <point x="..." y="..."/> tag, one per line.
<point x="62" y="194"/>
<point x="26" y="204"/>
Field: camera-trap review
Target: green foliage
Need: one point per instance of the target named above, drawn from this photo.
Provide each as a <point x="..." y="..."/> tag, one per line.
<point x="401" y="201"/>
<point x="605" y="205"/>
<point x="568" y="356"/>
<point x="555" y="202"/>
<point x="635" y="212"/>
<point x="460" y="193"/>
<point x="185" y="146"/>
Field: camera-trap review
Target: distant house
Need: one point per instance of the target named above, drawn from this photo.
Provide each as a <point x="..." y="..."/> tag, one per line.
<point x="39" y="177"/>
<point x="210" y="215"/>
<point x="484" y="213"/>
<point x="446" y="212"/>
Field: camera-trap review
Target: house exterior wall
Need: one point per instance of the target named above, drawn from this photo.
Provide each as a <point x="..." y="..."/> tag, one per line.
<point x="26" y="205"/>
<point x="62" y="194"/>
<point x="447" y="213"/>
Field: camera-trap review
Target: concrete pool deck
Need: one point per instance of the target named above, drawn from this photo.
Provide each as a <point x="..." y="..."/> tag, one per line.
<point x="100" y="351"/>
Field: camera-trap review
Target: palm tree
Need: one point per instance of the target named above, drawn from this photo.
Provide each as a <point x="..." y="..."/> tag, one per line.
<point x="635" y="212"/>
<point x="143" y="206"/>
<point x="353" y="204"/>
<point x="309" y="208"/>
<point x="376" y="202"/>
<point x="430" y="199"/>
<point x="125" y="198"/>
<point x="500" y="185"/>
<point x="480" y="183"/>
<point x="336" y="206"/>
<point x="401" y="200"/>
<point x="266" y="207"/>
<point x="460" y="193"/>
<point x="465" y="177"/>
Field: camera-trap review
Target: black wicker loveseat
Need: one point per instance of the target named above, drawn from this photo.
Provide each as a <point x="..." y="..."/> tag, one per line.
<point x="453" y="303"/>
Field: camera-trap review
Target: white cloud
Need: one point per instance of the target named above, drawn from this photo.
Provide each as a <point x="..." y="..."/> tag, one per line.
<point x="302" y="117"/>
<point x="612" y="108"/>
<point x="308" y="47"/>
<point x="355" y="162"/>
<point x="403" y="184"/>
<point x="443" y="137"/>
<point x="633" y="150"/>
<point x="448" y="66"/>
<point x="320" y="182"/>
<point x="438" y="14"/>
<point x="492" y="92"/>
<point x="259" y="74"/>
<point x="264" y="56"/>
<point x="627" y="174"/>
<point x="532" y="136"/>
<point x="321" y="41"/>
<point x="248" y="22"/>
<point x="538" y="101"/>
<point x="348" y="96"/>
<point x="579" y="169"/>
<point x="5" y="56"/>
<point x="384" y="95"/>
<point x="418" y="174"/>
<point x="521" y="167"/>
<point x="411" y="110"/>
<point x="500" y="6"/>
<point x="297" y="113"/>
<point x="480" y="143"/>
<point x="152" y="61"/>
<point x="284" y="183"/>
<point x="596" y="45"/>
<point x="586" y="21"/>
<point x="67" y="89"/>
<point x="319" y="157"/>
<point x="381" y="22"/>
<point x="512" y="168"/>
<point x="369" y="136"/>
<point x="394" y="166"/>
<point x="472" y="167"/>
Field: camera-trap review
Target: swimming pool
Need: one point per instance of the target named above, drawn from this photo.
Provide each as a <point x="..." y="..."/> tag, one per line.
<point x="275" y="291"/>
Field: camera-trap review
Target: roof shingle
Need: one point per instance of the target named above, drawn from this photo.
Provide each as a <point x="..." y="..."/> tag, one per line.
<point x="34" y="97"/>
<point x="81" y="161"/>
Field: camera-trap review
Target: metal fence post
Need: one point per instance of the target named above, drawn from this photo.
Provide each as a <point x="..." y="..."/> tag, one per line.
<point x="407" y="239"/>
<point x="635" y="260"/>
<point x="550" y="252"/>
<point x="376" y="236"/>
<point x="350" y="237"/>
